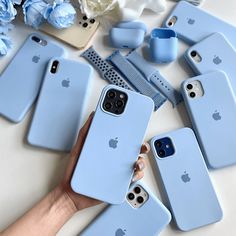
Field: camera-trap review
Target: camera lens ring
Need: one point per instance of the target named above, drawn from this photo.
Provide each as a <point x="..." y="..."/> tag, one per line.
<point x="193" y="53"/>
<point x="158" y="144"/>
<point x="131" y="196"/>
<point x="189" y="86"/>
<point x="111" y="94"/>
<point x="192" y="95"/>
<point x="108" y="105"/>
<point x="137" y="190"/>
<point x="140" y="200"/>
<point x="119" y="103"/>
<point x="161" y="153"/>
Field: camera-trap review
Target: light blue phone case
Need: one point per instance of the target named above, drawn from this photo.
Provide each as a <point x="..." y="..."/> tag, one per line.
<point x="190" y="193"/>
<point x="103" y="172"/>
<point x="214" y="118"/>
<point x="216" y="54"/>
<point x="118" y="220"/>
<point x="21" y="80"/>
<point x="194" y="24"/>
<point x="60" y="107"/>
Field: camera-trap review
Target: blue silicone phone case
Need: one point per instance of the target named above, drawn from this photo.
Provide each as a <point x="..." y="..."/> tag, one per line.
<point x="103" y="172"/>
<point x="61" y="104"/>
<point x="21" y="80"/>
<point x="216" y="54"/>
<point x="215" y="137"/>
<point x="148" y="220"/>
<point x="194" y="203"/>
<point x="194" y="24"/>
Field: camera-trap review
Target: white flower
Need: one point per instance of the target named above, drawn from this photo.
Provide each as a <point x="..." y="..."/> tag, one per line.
<point x="123" y="9"/>
<point x="93" y="8"/>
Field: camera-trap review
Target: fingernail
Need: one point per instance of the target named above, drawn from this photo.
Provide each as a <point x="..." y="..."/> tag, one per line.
<point x="135" y="178"/>
<point x="140" y="166"/>
<point x="147" y="146"/>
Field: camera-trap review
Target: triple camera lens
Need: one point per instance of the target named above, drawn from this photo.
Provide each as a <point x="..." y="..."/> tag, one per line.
<point x="115" y="101"/>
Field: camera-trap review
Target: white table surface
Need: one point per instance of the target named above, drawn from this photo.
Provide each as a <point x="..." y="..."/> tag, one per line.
<point x="27" y="173"/>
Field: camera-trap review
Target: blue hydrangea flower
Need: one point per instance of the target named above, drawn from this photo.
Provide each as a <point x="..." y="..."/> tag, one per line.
<point x="35" y="12"/>
<point x="5" y="44"/>
<point x="7" y="11"/>
<point x="62" y="15"/>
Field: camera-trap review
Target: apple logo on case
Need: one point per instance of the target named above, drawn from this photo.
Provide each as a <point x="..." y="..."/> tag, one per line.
<point x="113" y="143"/>
<point x="120" y="232"/>
<point x="190" y="21"/>
<point x="216" y="115"/>
<point x="217" y="60"/>
<point x="185" y="177"/>
<point x="65" y="83"/>
<point x="36" y="59"/>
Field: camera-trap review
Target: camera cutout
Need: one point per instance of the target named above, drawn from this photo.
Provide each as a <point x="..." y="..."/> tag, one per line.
<point x="196" y="56"/>
<point x="137" y="196"/>
<point x="115" y="101"/>
<point x="54" y="67"/>
<point x="164" y="147"/>
<point x="172" y="21"/>
<point x="194" y="89"/>
<point x="38" y="40"/>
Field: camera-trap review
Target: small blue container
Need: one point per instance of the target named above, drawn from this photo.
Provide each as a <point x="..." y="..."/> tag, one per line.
<point x="163" y="45"/>
<point x="128" y="34"/>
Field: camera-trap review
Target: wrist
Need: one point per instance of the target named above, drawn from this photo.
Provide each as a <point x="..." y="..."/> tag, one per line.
<point x="61" y="201"/>
<point x="61" y="209"/>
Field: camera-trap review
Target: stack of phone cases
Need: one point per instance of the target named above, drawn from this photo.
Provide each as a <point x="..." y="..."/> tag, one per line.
<point x="21" y="81"/>
<point x="141" y="214"/>
<point x="61" y="104"/>
<point x="189" y="191"/>
<point x="113" y="141"/>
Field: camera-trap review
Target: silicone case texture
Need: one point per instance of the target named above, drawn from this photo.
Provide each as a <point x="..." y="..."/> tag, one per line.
<point x="214" y="118"/>
<point x="189" y="191"/>
<point x="61" y="104"/>
<point x="124" y="218"/>
<point x="127" y="130"/>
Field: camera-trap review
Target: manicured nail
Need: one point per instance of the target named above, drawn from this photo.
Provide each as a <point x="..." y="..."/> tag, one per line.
<point x="135" y="178"/>
<point x="140" y="166"/>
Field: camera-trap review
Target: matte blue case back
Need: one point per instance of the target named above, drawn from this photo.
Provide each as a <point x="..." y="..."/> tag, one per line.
<point x="105" y="173"/>
<point x="194" y="24"/>
<point x="216" y="54"/>
<point x="59" y="111"/>
<point x="216" y="137"/>
<point x="194" y="203"/>
<point x="148" y="220"/>
<point x="21" y="80"/>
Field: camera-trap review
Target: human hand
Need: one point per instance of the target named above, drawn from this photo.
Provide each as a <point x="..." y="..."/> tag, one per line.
<point x="81" y="201"/>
